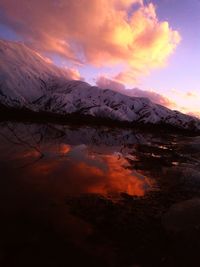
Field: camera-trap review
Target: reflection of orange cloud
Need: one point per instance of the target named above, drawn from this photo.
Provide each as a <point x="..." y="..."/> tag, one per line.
<point x="64" y="148"/>
<point x="115" y="179"/>
<point x="122" y="179"/>
<point x="89" y="170"/>
<point x="30" y="154"/>
<point x="53" y="149"/>
<point x="104" y="33"/>
<point x="86" y="176"/>
<point x="58" y="149"/>
<point x="44" y="168"/>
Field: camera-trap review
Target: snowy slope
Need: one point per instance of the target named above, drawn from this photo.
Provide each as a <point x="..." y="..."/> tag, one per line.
<point x="23" y="74"/>
<point x="79" y="97"/>
<point x="27" y="80"/>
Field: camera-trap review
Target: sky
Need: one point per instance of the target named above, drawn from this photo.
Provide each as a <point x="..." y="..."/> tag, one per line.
<point x="153" y="45"/>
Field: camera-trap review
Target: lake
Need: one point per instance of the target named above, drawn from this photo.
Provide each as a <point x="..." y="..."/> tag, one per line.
<point x="97" y="196"/>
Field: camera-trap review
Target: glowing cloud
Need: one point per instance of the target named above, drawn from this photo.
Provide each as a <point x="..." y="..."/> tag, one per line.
<point x="106" y="83"/>
<point x="99" y="32"/>
<point x="73" y="74"/>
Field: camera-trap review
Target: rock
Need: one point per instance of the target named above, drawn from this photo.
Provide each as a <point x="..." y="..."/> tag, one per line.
<point x="183" y="217"/>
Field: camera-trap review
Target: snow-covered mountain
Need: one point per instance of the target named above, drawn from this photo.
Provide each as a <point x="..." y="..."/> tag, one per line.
<point x="24" y="74"/>
<point x="28" y="80"/>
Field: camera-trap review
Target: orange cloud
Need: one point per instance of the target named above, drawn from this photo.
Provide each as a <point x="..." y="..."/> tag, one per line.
<point x="73" y="74"/>
<point x="129" y="76"/>
<point x="99" y="32"/>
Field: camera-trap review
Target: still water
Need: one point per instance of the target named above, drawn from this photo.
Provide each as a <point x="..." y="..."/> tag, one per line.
<point x="85" y="196"/>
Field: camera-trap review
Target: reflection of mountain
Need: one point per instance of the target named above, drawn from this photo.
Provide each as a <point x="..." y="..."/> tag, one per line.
<point x="33" y="142"/>
<point x="39" y="134"/>
<point x="80" y="158"/>
<point x="29" y="83"/>
<point x="95" y="149"/>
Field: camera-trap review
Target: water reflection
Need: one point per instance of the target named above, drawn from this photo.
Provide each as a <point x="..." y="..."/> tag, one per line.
<point x="63" y="203"/>
<point x="74" y="168"/>
<point x="93" y="160"/>
<point x="100" y="174"/>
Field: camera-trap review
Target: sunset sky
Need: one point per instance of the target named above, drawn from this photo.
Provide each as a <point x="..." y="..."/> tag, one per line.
<point x="153" y="45"/>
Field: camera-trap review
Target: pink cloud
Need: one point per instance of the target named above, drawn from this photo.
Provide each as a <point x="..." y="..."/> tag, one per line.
<point x="73" y="74"/>
<point x="191" y="94"/>
<point x="106" y="83"/>
<point x="194" y="114"/>
<point x="99" y="32"/>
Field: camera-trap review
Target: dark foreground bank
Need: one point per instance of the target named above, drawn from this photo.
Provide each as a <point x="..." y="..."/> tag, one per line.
<point x="95" y="196"/>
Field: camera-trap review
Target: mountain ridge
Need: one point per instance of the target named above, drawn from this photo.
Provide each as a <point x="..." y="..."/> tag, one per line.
<point x="29" y="82"/>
